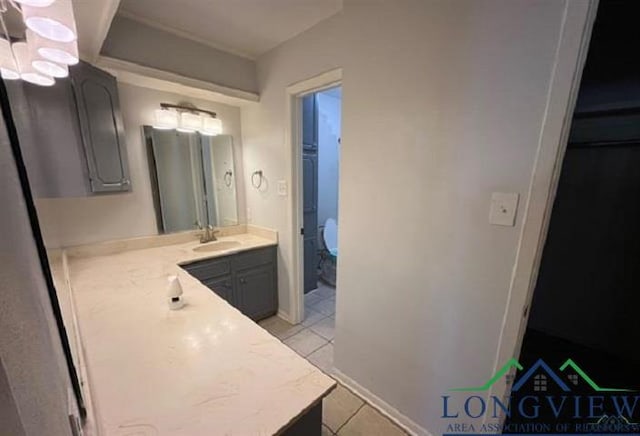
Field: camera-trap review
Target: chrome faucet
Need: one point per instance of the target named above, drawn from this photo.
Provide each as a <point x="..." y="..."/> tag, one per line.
<point x="208" y="234"/>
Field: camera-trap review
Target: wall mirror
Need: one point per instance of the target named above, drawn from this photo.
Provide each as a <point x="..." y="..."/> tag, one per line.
<point x="193" y="179"/>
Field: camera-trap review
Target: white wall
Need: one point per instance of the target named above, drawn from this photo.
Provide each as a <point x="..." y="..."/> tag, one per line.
<point x="329" y="128"/>
<point x="443" y="103"/>
<point x="73" y="221"/>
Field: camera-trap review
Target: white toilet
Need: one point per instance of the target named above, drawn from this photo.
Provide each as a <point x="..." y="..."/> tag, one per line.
<point x="330" y="236"/>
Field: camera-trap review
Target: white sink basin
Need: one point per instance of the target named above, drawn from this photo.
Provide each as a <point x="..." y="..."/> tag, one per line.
<point x="216" y="246"/>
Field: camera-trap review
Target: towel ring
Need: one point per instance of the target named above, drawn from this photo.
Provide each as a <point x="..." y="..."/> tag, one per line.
<point x="228" y="178"/>
<point x="257" y="184"/>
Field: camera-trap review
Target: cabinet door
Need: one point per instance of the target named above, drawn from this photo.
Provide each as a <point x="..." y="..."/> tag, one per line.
<point x="46" y="120"/>
<point x="257" y="292"/>
<point x="96" y="94"/>
<point x="223" y="287"/>
<point x="309" y="122"/>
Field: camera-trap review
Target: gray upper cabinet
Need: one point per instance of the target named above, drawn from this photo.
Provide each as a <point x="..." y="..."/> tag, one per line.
<point x="96" y="94"/>
<point x="71" y="134"/>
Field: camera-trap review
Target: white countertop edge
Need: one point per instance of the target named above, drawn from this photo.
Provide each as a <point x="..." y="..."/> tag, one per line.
<point x="92" y="424"/>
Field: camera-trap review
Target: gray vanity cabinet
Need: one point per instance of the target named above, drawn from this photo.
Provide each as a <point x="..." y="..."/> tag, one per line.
<point x="251" y="285"/>
<point x="222" y="286"/>
<point x="71" y="134"/>
<point x="247" y="280"/>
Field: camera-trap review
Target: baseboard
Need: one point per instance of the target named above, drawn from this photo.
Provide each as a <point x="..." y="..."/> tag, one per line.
<point x="376" y="402"/>
<point x="284" y="315"/>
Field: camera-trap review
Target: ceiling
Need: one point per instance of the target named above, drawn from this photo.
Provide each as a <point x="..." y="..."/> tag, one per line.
<point x="244" y="27"/>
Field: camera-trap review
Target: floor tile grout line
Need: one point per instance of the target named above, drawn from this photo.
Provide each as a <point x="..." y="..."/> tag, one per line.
<point x="307" y="356"/>
<point x="351" y="417"/>
<point x="374" y="407"/>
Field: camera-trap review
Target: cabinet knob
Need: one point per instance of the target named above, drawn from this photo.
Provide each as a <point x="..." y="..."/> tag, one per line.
<point x="243" y="281"/>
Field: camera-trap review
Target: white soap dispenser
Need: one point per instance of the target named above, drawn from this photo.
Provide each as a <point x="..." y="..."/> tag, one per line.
<point x="174" y="293"/>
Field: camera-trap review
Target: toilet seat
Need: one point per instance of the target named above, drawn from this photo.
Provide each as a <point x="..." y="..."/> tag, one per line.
<point x="330" y="236"/>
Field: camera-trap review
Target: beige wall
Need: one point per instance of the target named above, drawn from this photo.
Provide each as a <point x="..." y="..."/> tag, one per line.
<point x="74" y="221"/>
<point x="136" y="42"/>
<point x="443" y="104"/>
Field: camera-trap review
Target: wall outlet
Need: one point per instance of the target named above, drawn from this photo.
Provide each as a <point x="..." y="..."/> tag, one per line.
<point x="503" y="209"/>
<point x="282" y="188"/>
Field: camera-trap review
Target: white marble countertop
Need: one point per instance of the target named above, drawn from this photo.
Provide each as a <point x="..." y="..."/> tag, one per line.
<point x="203" y="370"/>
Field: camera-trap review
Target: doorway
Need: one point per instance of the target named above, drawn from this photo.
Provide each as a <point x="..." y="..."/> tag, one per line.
<point x="320" y="147"/>
<point x="583" y="318"/>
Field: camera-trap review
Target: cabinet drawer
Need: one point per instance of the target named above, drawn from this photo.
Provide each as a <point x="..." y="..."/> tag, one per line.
<point x="208" y="269"/>
<point x="253" y="258"/>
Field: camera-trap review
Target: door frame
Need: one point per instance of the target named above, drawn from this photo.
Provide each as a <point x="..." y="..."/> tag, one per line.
<point x="566" y="75"/>
<point x="293" y="145"/>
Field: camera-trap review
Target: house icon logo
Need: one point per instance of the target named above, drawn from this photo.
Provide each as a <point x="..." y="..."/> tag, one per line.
<point x="568" y="375"/>
<point x="543" y="400"/>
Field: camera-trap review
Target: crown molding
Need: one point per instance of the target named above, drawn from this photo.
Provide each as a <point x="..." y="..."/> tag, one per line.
<point x="148" y="77"/>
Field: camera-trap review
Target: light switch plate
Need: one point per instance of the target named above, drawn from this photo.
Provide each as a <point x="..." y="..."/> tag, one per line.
<point x="282" y="188"/>
<point x="504" y="206"/>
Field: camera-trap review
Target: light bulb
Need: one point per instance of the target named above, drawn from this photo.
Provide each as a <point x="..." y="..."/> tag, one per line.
<point x="8" y="67"/>
<point x="27" y="72"/>
<point x="49" y="68"/>
<point x="55" y="51"/>
<point x="211" y="126"/>
<point x="190" y="122"/>
<point x="55" y="22"/>
<point x="165" y="119"/>
<point x="43" y="66"/>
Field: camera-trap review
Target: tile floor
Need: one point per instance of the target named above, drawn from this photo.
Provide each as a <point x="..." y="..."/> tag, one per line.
<point x="344" y="413"/>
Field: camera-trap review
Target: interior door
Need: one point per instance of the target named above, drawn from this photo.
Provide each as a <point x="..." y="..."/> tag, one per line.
<point x="310" y="191"/>
<point x="310" y="213"/>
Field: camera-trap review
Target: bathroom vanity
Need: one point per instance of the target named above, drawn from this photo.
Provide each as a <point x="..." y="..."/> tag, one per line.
<point x="246" y="280"/>
<point x="206" y="369"/>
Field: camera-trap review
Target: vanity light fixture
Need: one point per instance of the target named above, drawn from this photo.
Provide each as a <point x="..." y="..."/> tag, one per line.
<point x="27" y="72"/>
<point x="165" y="119"/>
<point x="187" y="119"/>
<point x="190" y="122"/>
<point x="59" y="52"/>
<point x="211" y="126"/>
<point x="44" y="66"/>
<point x="50" y="43"/>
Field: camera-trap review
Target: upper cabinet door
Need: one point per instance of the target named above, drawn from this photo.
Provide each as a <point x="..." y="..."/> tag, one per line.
<point x="102" y="129"/>
<point x="309" y="123"/>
